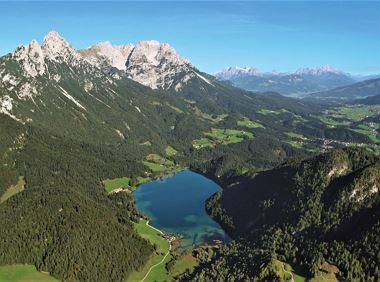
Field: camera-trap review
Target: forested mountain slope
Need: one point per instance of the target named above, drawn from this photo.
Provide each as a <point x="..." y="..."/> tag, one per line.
<point x="350" y="92"/>
<point x="304" y="212"/>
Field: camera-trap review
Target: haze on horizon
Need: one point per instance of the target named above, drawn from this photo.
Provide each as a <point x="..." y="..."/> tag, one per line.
<point x="280" y="36"/>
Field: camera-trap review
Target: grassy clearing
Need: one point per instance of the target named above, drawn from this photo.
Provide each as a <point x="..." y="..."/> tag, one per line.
<point x="213" y="118"/>
<point x="294" y="135"/>
<point x="282" y="270"/>
<point x="326" y="273"/>
<point x="295" y="144"/>
<point x="23" y="273"/>
<point x="267" y="112"/>
<point x="112" y="184"/>
<point x="221" y="136"/>
<point x="228" y="136"/>
<point x="203" y="143"/>
<point x="159" y="164"/>
<point x="124" y="182"/>
<point x="170" y="151"/>
<point x="369" y="130"/>
<point x="13" y="190"/>
<point x="146" y="143"/>
<point x="142" y="180"/>
<point x="330" y="122"/>
<point x="246" y="122"/>
<point x="155" y="167"/>
<point x="159" y="160"/>
<point x="357" y="113"/>
<point x="272" y="112"/>
<point x="348" y="114"/>
<point x="372" y="135"/>
<point x="184" y="263"/>
<point x="156" y="163"/>
<point x="375" y="150"/>
<point x="159" y="273"/>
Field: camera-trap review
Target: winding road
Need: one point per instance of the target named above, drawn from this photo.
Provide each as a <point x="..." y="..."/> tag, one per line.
<point x="291" y="274"/>
<point x="163" y="259"/>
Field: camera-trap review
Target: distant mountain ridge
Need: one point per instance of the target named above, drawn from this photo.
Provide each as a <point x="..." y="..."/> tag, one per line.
<point x="371" y="100"/>
<point x="299" y="82"/>
<point x="357" y="90"/>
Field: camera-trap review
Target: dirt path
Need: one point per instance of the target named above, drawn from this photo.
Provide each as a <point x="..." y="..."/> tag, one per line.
<point x="163" y="259"/>
<point x="291" y="274"/>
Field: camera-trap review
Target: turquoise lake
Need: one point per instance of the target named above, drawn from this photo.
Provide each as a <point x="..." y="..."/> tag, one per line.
<point x="176" y="204"/>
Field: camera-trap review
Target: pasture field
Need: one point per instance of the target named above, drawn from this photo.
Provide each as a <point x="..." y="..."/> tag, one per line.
<point x="286" y="272"/>
<point x="156" y="163"/>
<point x="358" y="112"/>
<point x="368" y="131"/>
<point x="170" y="151"/>
<point x="221" y="136"/>
<point x="23" y="273"/>
<point x="246" y="122"/>
<point x="212" y="118"/>
<point x="158" y="273"/>
<point x="186" y="262"/>
<point x="295" y="144"/>
<point x="155" y="167"/>
<point x="203" y="143"/>
<point x="332" y="123"/>
<point x="112" y="184"/>
<point x="295" y="135"/>
<point x="228" y="136"/>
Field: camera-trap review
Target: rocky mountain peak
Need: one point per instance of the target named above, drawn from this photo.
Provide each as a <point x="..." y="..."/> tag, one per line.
<point x="55" y="46"/>
<point x="157" y="65"/>
<point x="317" y="71"/>
<point x="105" y="52"/>
<point x="229" y="72"/>
<point x="31" y="58"/>
<point x="150" y="63"/>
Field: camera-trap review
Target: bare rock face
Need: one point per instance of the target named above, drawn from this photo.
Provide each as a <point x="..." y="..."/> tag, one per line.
<point x="151" y="63"/>
<point x="105" y="52"/>
<point x="156" y="65"/>
<point x="57" y="48"/>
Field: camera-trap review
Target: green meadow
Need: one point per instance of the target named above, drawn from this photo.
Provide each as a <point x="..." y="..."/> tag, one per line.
<point x="246" y="122"/>
<point x="23" y="273"/>
<point x="112" y="184"/>
<point x="170" y="151"/>
<point x="221" y="136"/>
<point x="158" y="273"/>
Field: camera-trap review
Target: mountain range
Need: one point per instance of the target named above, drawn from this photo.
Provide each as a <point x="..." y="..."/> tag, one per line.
<point x="72" y="119"/>
<point x="298" y="83"/>
<point x="69" y="121"/>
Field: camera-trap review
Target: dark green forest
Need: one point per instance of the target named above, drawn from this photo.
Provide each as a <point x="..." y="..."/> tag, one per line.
<point x="304" y="212"/>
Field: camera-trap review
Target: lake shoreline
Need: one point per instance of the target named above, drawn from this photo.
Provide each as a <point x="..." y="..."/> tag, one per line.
<point x="186" y="193"/>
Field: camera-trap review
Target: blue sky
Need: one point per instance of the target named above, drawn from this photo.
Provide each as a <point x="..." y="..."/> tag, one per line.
<point x="280" y="36"/>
